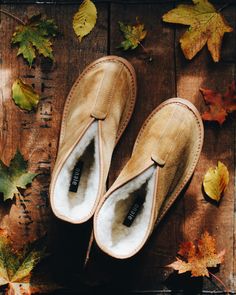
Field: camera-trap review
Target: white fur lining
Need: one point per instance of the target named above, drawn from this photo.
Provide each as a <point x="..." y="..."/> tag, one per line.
<point x="78" y="206"/>
<point x="111" y="234"/>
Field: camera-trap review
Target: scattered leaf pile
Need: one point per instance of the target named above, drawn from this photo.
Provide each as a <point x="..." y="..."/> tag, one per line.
<point x="15" y="176"/>
<point x="16" y="267"/>
<point x="215" y="181"/>
<point x="197" y="258"/>
<point x="35" y="36"/>
<point x="24" y="95"/>
<point x="207" y="26"/>
<point x="220" y="105"/>
<point x="133" y="35"/>
<point x="85" y="19"/>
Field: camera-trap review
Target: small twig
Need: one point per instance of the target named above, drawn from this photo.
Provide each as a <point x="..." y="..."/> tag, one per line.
<point x="12" y="16"/>
<point x="145" y="51"/>
<point x="220" y="281"/>
<point x="224" y="6"/>
<point x="89" y="248"/>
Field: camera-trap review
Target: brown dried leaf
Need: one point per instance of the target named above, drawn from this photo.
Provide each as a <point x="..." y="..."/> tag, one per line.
<point x="197" y="258"/>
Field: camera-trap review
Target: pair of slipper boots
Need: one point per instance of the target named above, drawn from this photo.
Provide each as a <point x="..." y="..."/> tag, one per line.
<point x="165" y="154"/>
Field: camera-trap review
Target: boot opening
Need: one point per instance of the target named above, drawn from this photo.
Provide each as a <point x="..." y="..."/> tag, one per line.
<point x="77" y="184"/>
<point x="123" y="221"/>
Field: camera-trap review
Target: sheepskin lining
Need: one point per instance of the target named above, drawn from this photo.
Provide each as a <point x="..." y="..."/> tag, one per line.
<point x="111" y="233"/>
<point x="77" y="206"/>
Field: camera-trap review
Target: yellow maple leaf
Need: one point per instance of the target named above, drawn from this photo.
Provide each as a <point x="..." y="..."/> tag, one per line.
<point x="85" y="19"/>
<point x="207" y="26"/>
<point x="215" y="181"/>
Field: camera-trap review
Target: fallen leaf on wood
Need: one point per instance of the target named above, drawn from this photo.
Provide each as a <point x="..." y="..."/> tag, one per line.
<point x="16" y="267"/>
<point x="197" y="258"/>
<point x="15" y="176"/>
<point x="215" y="181"/>
<point x="133" y="35"/>
<point x="35" y="36"/>
<point x="207" y="26"/>
<point x="220" y="105"/>
<point x="85" y="19"/>
<point x="24" y="95"/>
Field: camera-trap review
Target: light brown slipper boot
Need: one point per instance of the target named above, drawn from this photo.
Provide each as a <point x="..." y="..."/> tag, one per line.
<point x="163" y="160"/>
<point x="96" y="113"/>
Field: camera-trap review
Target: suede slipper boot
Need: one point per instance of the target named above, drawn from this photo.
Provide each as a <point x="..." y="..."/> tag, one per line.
<point x="163" y="160"/>
<point x="95" y="115"/>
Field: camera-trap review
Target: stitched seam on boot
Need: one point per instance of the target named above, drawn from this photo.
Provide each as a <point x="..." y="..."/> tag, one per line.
<point x="109" y="95"/>
<point x="67" y="103"/>
<point x="185" y="180"/>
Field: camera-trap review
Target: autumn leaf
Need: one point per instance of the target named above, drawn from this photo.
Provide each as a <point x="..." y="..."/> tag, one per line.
<point x="24" y="95"/>
<point x="197" y="258"/>
<point x="16" y="267"/>
<point x="207" y="26"/>
<point x="15" y="176"/>
<point x="220" y="105"/>
<point x="215" y="181"/>
<point x="133" y="35"/>
<point x="85" y="19"/>
<point x="35" y="37"/>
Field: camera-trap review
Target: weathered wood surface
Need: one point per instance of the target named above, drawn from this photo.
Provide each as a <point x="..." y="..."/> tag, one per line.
<point x="36" y="135"/>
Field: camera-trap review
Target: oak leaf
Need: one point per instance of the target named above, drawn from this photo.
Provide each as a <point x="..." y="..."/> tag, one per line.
<point x="14" y="176"/>
<point x="35" y="36"/>
<point x="207" y="26"/>
<point x="85" y="19"/>
<point x="133" y="35"/>
<point x="215" y="181"/>
<point x="16" y="267"/>
<point x="197" y="258"/>
<point x="24" y="95"/>
<point x="220" y="105"/>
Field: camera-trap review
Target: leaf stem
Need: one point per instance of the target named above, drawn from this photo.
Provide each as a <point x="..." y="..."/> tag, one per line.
<point x="12" y="16"/>
<point x="220" y="281"/>
<point x="223" y="7"/>
<point x="145" y="51"/>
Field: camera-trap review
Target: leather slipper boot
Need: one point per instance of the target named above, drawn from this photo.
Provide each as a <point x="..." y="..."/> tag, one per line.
<point x="95" y="115"/>
<point x="163" y="160"/>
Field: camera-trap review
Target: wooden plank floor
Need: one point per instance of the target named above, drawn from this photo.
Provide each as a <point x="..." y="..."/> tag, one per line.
<point x="36" y="135"/>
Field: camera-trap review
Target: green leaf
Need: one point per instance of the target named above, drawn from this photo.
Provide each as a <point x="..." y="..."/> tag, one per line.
<point x="133" y="35"/>
<point x="4" y="257"/>
<point x="24" y="95"/>
<point x="35" y="36"/>
<point x="16" y="267"/>
<point x="85" y="19"/>
<point x="27" y="265"/>
<point x="15" y="176"/>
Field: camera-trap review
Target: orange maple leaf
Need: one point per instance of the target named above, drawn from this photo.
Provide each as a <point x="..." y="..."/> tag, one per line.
<point x="196" y="258"/>
<point x="220" y="105"/>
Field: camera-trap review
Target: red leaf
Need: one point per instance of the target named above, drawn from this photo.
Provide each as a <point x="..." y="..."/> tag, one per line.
<point x="220" y="105"/>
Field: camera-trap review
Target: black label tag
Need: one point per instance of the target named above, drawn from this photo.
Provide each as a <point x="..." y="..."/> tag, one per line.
<point x="75" y="178"/>
<point x="132" y="214"/>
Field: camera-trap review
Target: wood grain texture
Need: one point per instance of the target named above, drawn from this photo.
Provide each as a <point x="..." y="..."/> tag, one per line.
<point x="200" y="214"/>
<point x="36" y="135"/>
<point x="156" y="82"/>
